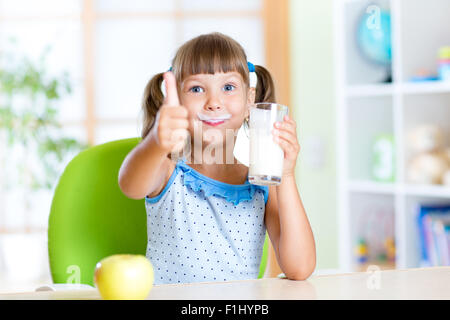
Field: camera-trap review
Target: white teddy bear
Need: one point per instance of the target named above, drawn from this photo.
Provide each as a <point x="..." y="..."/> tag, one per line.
<point x="430" y="162"/>
<point x="446" y="178"/>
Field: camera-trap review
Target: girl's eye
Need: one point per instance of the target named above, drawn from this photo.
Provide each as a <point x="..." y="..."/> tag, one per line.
<point x="196" y="89"/>
<point x="229" y="87"/>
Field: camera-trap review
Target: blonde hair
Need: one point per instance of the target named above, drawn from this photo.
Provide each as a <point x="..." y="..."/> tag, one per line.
<point x="205" y="54"/>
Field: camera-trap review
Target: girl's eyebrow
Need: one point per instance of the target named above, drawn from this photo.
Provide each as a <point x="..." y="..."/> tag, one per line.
<point x="234" y="77"/>
<point x="198" y="78"/>
<point x="192" y="79"/>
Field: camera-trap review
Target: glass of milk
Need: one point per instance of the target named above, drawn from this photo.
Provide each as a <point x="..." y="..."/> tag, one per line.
<point x="266" y="156"/>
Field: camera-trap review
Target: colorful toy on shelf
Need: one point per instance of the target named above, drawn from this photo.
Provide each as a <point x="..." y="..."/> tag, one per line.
<point x="374" y="223"/>
<point x="389" y="244"/>
<point x="361" y="251"/>
<point x="443" y="71"/>
<point x="423" y="75"/>
<point x="430" y="160"/>
<point x="444" y="63"/>
<point x="383" y="168"/>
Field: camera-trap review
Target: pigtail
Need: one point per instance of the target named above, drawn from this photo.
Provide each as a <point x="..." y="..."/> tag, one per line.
<point x="152" y="100"/>
<point x="265" y="88"/>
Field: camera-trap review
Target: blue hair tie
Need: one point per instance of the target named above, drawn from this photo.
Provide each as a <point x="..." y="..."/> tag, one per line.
<point x="170" y="69"/>
<point x="251" y="67"/>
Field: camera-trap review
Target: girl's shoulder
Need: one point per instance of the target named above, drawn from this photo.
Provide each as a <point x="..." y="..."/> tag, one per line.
<point x="168" y="166"/>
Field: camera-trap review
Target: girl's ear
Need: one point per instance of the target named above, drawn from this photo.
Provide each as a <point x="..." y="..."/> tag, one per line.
<point x="247" y="111"/>
<point x="251" y="94"/>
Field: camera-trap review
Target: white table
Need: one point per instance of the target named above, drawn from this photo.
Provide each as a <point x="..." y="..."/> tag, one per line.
<point x="424" y="283"/>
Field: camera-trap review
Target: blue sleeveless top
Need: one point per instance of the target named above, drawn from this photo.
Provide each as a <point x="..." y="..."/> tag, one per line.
<point x="200" y="229"/>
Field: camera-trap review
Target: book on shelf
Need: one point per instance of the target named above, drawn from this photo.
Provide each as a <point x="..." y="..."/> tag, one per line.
<point x="434" y="228"/>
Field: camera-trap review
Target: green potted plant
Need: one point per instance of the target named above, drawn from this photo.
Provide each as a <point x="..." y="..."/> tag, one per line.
<point x="32" y="144"/>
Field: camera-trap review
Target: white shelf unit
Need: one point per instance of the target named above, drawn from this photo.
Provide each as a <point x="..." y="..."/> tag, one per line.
<point x="366" y="107"/>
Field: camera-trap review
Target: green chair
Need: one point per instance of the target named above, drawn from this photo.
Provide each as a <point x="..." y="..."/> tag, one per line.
<point x="90" y="217"/>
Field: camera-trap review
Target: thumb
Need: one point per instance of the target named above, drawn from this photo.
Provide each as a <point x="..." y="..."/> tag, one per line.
<point x="171" y="90"/>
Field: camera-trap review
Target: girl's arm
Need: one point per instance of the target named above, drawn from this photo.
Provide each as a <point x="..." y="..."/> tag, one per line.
<point x="286" y="221"/>
<point x="145" y="168"/>
<point x="289" y="231"/>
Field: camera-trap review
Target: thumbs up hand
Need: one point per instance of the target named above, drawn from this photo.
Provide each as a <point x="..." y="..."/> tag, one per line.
<point x="171" y="121"/>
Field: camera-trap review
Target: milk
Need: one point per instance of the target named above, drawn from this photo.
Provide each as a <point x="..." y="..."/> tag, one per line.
<point x="266" y="156"/>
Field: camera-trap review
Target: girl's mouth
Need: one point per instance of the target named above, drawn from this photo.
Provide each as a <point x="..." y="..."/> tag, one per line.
<point x="213" y="120"/>
<point x="213" y="123"/>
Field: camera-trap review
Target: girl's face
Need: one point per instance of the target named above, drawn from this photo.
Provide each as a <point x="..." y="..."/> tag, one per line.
<point x="217" y="101"/>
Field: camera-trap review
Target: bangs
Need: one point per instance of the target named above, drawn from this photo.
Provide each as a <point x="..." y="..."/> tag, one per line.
<point x="208" y="54"/>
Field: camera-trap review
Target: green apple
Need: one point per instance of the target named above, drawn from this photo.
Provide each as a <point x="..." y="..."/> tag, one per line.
<point x="124" y="277"/>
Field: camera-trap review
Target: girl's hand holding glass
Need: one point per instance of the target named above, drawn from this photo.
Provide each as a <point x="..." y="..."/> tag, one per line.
<point x="285" y="134"/>
<point x="171" y="122"/>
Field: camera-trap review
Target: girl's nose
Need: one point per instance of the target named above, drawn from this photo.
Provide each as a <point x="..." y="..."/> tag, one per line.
<point x="214" y="105"/>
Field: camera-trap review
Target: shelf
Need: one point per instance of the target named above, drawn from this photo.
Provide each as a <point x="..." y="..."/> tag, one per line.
<point x="368" y="108"/>
<point x="425" y="87"/>
<point x="368" y="90"/>
<point x="375" y="187"/>
<point x="428" y="191"/>
<point x="372" y="187"/>
<point x="386" y="89"/>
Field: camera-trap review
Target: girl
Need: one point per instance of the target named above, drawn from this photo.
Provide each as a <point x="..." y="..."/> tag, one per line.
<point x="205" y="221"/>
